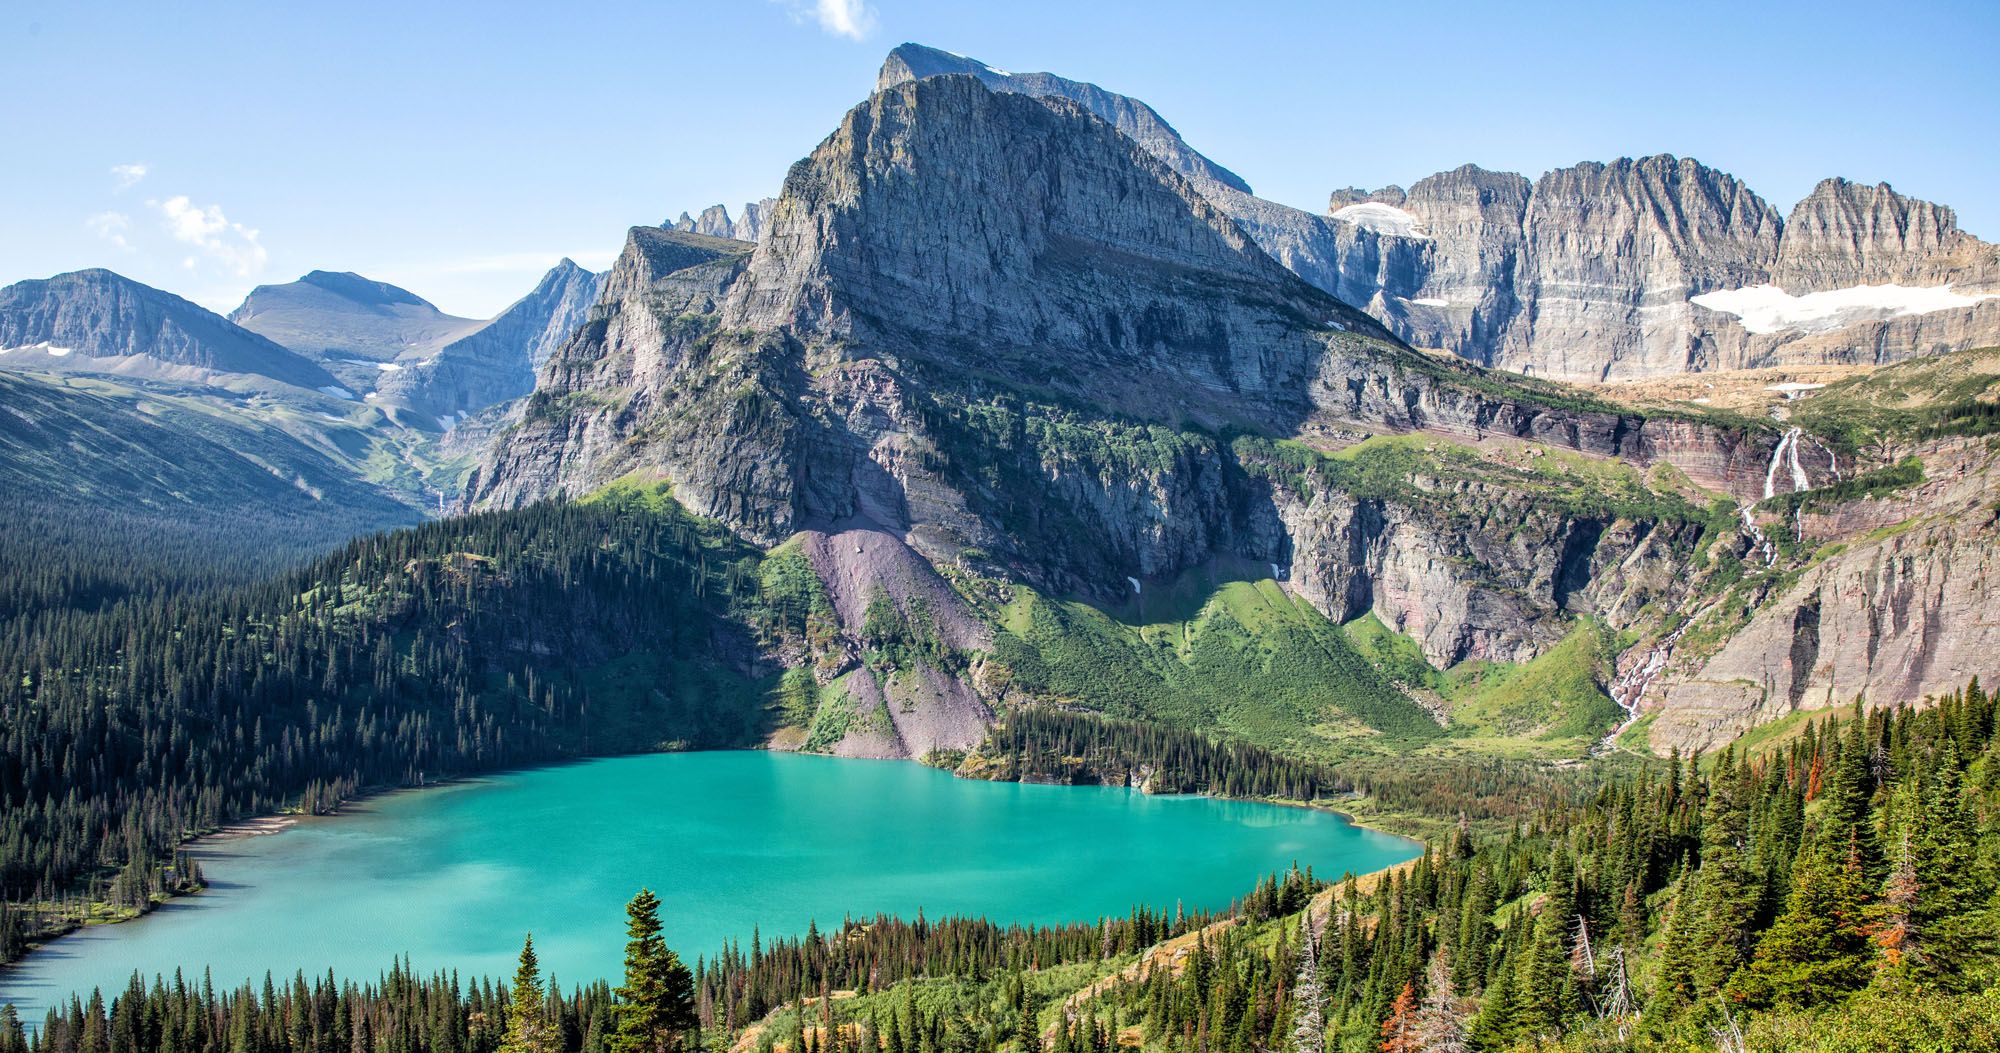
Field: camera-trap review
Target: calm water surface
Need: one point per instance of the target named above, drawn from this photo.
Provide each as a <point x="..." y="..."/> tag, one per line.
<point x="453" y="876"/>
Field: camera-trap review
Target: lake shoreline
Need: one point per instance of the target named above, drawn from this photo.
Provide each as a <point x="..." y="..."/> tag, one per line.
<point x="255" y="828"/>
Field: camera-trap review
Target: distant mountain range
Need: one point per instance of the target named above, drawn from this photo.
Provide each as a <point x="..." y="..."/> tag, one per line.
<point x="191" y="413"/>
<point x="100" y="322"/>
<point x="497" y="362"/>
<point x="357" y="328"/>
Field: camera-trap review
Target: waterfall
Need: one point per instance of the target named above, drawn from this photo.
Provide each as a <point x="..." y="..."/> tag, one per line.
<point x="1786" y="456"/>
<point x="1787" y="452"/>
<point x="1629" y="688"/>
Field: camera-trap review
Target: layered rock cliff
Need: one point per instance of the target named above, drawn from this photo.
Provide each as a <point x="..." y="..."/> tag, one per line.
<point x="1899" y="609"/>
<point x="1846" y="234"/>
<point x="997" y="332"/>
<point x="1592" y="272"/>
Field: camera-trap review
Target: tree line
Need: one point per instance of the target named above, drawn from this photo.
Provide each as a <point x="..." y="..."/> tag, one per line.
<point x="1040" y="743"/>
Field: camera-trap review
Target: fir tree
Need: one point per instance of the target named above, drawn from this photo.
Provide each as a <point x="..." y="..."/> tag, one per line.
<point x="1817" y="950"/>
<point x="656" y="1003"/>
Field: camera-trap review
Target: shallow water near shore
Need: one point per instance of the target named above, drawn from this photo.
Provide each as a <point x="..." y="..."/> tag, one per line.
<point x="732" y="843"/>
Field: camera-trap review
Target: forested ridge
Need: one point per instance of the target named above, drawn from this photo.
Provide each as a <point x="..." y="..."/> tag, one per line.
<point x="459" y="646"/>
<point x="150" y="699"/>
<point x="1045" y="744"/>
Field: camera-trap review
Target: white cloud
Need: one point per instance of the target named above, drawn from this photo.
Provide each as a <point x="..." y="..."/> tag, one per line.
<point x="111" y="226"/>
<point x="233" y="245"/>
<point x="128" y="176"/>
<point x="843" y="18"/>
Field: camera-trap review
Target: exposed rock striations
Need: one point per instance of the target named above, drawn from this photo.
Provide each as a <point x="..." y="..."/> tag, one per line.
<point x="1589" y="272"/>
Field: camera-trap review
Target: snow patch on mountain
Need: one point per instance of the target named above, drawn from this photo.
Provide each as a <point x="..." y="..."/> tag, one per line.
<point x="1769" y="309"/>
<point x="1382" y="219"/>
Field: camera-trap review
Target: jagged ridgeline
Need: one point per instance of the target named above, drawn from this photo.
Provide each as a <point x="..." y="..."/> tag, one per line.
<point x="986" y="336"/>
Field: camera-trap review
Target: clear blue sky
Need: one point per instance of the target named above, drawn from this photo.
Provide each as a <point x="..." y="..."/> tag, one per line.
<point x="461" y="149"/>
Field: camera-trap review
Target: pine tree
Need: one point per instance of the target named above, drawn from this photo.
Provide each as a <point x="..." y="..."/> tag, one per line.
<point x="527" y="1024"/>
<point x="13" y="1037"/>
<point x="1546" y="990"/>
<point x="1308" y="996"/>
<point x="1729" y="889"/>
<point x="1817" y="950"/>
<point x="656" y="1003"/>
<point x="1850" y="791"/>
<point x="1497" y="1024"/>
<point x="1675" y="991"/>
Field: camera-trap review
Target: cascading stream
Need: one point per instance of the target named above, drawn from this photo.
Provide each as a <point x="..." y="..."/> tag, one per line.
<point x="1630" y="687"/>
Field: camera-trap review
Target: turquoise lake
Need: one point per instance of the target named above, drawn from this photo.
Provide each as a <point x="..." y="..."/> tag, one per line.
<point x="453" y="876"/>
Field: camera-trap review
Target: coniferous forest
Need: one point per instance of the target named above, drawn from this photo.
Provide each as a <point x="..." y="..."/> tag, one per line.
<point x="460" y="646"/>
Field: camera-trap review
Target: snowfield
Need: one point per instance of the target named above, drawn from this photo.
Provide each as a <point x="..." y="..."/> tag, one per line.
<point x="1769" y="309"/>
<point x="1382" y="219"/>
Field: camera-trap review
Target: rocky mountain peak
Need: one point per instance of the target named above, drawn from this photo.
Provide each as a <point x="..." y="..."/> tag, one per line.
<point x="1469" y="186"/>
<point x="365" y="291"/>
<point x="1023" y="225"/>
<point x="715" y="221"/>
<point x="1130" y="116"/>
<point x="1845" y="234"/>
<point x="100" y="321"/>
<point x="358" y="328"/>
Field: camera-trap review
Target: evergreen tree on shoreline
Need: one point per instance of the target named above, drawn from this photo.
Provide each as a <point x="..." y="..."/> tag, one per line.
<point x="528" y="1028"/>
<point x="656" y="1003"/>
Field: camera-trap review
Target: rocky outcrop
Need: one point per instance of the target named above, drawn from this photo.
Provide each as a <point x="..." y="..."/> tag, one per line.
<point x="1846" y="234"/>
<point x="714" y="221"/>
<point x="1131" y="117"/>
<point x="1450" y="576"/>
<point x="96" y="321"/>
<point x="499" y="361"/>
<point x="1903" y="610"/>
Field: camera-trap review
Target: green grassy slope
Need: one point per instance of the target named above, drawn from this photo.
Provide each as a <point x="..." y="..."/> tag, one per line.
<point x="1238" y="656"/>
